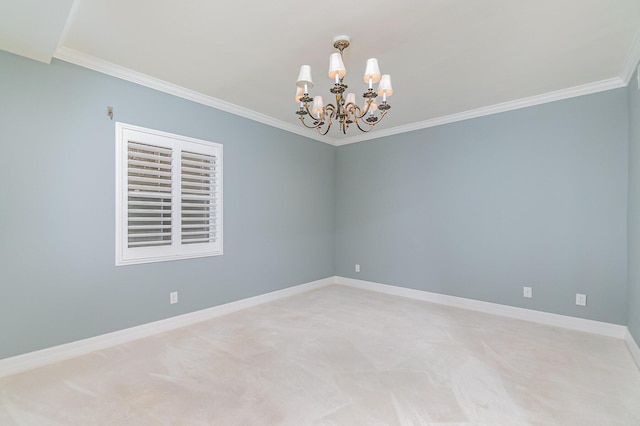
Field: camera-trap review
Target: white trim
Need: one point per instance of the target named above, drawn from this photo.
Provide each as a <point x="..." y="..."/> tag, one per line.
<point x="177" y="145"/>
<point x="633" y="347"/>
<point x="104" y="67"/>
<point x="572" y="323"/>
<point x="572" y="92"/>
<point x="66" y="351"/>
<point x="632" y="59"/>
<point x="47" y="356"/>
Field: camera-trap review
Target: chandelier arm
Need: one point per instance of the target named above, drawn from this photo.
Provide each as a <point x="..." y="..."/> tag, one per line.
<point x="331" y="112"/>
<point x="325" y="118"/>
<point x="366" y="110"/>
<point x="315" y="126"/>
<point x="353" y="111"/>
<point x="326" y="130"/>
<point x="382" y="114"/>
<point x="357" y="121"/>
<point x="306" y="108"/>
<point x="364" y="130"/>
<point x="318" y="121"/>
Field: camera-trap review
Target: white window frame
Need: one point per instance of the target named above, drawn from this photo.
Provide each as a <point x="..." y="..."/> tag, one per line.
<point x="173" y="146"/>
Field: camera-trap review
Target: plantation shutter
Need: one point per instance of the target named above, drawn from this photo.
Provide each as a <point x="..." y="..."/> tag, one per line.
<point x="198" y="197"/>
<point x="168" y="196"/>
<point x="149" y="195"/>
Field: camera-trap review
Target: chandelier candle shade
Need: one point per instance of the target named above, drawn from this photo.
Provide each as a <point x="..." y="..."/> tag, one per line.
<point x="345" y="111"/>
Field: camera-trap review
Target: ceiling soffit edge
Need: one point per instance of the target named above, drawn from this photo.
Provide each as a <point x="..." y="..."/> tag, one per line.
<point x="632" y="59"/>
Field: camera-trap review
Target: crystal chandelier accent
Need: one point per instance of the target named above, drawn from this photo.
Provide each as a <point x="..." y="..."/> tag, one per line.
<point x="345" y="111"/>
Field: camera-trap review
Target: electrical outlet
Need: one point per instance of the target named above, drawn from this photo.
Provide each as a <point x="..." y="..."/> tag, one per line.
<point x="581" y="299"/>
<point x="526" y="292"/>
<point x="173" y="297"/>
<point x="357" y="268"/>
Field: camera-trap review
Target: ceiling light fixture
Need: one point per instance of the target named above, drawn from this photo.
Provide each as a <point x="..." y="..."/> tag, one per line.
<point x="345" y="111"/>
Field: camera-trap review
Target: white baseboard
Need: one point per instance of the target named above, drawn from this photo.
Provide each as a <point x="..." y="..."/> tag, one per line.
<point x="53" y="354"/>
<point x="47" y="356"/>
<point x="573" y="323"/>
<point x="633" y="347"/>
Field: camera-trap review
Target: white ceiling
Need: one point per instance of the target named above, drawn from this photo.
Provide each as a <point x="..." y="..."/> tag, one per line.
<point x="448" y="59"/>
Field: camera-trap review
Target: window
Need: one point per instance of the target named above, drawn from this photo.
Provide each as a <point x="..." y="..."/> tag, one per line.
<point x="168" y="196"/>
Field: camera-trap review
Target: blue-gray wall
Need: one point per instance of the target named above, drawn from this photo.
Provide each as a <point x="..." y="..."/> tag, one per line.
<point x="477" y="209"/>
<point x="58" y="282"/>
<point x="534" y="197"/>
<point x="634" y="209"/>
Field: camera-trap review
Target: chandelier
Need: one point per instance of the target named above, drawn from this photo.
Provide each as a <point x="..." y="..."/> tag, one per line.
<point x="345" y="111"/>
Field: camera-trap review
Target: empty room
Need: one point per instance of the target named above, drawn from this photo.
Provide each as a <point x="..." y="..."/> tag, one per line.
<point x="277" y="213"/>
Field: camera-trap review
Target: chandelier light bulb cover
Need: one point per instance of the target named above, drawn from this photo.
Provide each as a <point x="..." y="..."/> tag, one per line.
<point x="372" y="72"/>
<point x="304" y="78"/>
<point x="336" y="66"/>
<point x="345" y="111"/>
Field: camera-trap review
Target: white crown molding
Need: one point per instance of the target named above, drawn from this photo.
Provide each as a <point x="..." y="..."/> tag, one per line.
<point x="572" y="92"/>
<point x="104" y="67"/>
<point x="47" y="356"/>
<point x="631" y="62"/>
<point x="633" y="347"/>
<point x="96" y="64"/>
<point x="546" y="318"/>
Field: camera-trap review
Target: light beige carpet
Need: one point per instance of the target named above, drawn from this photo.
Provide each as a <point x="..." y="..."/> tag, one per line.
<point x="339" y="356"/>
